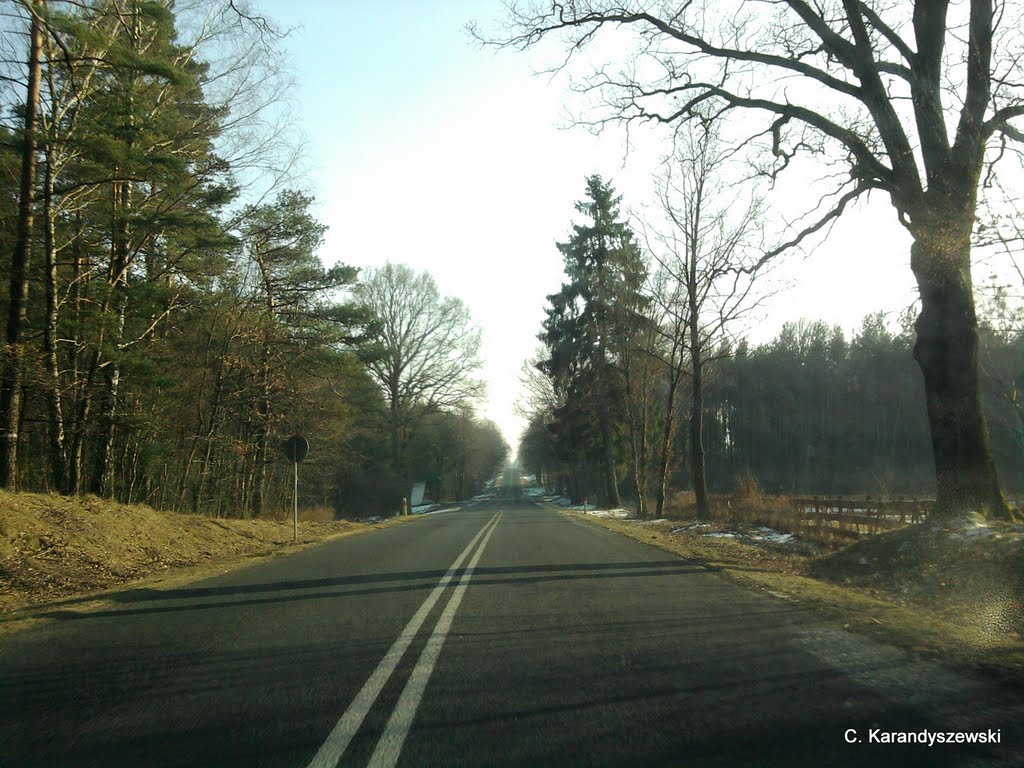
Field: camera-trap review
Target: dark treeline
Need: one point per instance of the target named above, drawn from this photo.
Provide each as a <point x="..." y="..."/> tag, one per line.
<point x="813" y="412"/>
<point x="169" y="320"/>
<point x="616" y="393"/>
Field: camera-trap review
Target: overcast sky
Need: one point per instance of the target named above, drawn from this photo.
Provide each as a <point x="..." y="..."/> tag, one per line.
<point x="428" y="151"/>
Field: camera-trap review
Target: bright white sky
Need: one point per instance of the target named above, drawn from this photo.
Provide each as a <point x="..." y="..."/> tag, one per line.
<point x="428" y="151"/>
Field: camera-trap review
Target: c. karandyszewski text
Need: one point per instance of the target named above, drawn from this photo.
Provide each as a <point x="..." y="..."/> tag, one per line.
<point x="928" y="737"/>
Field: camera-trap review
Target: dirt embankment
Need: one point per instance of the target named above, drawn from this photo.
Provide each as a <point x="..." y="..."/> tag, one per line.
<point x="53" y="547"/>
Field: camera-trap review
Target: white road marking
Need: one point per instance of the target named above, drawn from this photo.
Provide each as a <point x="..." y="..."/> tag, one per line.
<point x="338" y="740"/>
<point x="390" y="745"/>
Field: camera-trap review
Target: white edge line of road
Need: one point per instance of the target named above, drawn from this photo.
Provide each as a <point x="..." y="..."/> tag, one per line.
<point x="338" y="740"/>
<point x="390" y="745"/>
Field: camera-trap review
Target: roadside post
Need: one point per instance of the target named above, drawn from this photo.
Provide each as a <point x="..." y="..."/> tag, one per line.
<point x="296" y="448"/>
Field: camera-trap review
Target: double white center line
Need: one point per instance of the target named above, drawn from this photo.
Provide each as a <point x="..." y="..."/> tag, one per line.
<point x="390" y="745"/>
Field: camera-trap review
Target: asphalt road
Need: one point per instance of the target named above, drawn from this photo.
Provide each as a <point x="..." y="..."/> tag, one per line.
<point x="501" y="634"/>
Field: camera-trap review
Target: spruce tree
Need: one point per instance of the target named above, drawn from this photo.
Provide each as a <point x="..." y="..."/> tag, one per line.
<point x="586" y="321"/>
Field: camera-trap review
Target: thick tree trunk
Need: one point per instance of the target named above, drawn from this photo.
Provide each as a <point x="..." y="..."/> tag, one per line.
<point x="947" y="353"/>
<point x="14" y="358"/>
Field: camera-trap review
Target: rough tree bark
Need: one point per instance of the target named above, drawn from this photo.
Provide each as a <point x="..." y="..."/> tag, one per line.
<point x="946" y="350"/>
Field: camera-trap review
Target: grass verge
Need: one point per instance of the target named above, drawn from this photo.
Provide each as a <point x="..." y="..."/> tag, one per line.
<point x="58" y="552"/>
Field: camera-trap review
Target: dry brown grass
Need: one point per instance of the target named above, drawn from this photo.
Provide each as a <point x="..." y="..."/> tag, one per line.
<point x="749" y="507"/>
<point x="53" y="547"/>
<point x="317" y="514"/>
<point x="681" y="505"/>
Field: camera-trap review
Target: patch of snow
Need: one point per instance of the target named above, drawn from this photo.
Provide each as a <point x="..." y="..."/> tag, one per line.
<point x="419" y="509"/>
<point x="619" y="513"/>
<point x="976" y="532"/>
<point x="770" y="535"/>
<point x="691" y="527"/>
<point x="722" y="535"/>
<point x="971" y="526"/>
<point x="651" y="522"/>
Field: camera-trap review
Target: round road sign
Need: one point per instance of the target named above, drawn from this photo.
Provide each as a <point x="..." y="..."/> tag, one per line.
<point x="296" y="448"/>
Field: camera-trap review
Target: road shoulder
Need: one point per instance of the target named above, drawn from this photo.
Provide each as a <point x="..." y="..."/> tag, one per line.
<point x="909" y="628"/>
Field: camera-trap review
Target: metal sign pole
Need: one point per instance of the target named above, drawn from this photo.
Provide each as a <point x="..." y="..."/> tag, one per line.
<point x="296" y="448"/>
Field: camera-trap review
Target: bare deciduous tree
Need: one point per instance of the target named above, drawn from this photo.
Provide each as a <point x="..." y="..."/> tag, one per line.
<point x="428" y="351"/>
<point x="709" y="252"/>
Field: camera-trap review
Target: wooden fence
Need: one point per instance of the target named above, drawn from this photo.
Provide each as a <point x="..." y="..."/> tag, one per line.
<point x="855" y="516"/>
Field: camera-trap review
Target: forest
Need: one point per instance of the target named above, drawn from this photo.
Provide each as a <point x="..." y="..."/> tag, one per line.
<point x="171" y="316"/>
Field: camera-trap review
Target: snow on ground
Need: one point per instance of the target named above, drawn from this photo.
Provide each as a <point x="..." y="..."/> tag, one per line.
<point x="770" y="535"/>
<point x="564" y="502"/>
<point x="760" y="535"/>
<point x="692" y="527"/>
<point x="619" y="513"/>
<point x="971" y="526"/>
<point x="419" y="509"/>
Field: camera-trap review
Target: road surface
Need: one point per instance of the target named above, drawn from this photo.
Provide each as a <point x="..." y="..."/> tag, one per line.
<point x="499" y="634"/>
